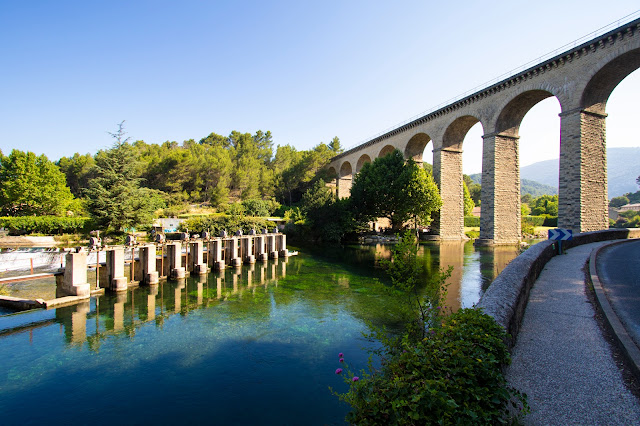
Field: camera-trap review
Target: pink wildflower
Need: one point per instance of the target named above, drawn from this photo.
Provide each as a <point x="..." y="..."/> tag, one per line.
<point x="339" y="370"/>
<point x="355" y="378"/>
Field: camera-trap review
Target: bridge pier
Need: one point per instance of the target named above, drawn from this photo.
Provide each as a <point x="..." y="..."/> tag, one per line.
<point x="344" y="187"/>
<point x="583" y="204"/>
<point x="500" y="195"/>
<point x="447" y="169"/>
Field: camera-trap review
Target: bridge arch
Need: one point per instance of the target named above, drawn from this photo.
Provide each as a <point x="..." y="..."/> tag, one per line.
<point x="583" y="192"/>
<point x="500" y="195"/>
<point x="415" y="147"/>
<point x="510" y="117"/>
<point x="388" y="149"/>
<point x="606" y="78"/>
<point x="447" y="172"/>
<point x="456" y="131"/>
<point x="344" y="180"/>
<point x="364" y="158"/>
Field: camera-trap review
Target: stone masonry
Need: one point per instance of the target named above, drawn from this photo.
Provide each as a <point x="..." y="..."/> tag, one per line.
<point x="581" y="79"/>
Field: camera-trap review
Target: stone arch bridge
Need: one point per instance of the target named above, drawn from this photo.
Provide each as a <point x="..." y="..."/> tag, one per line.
<point x="581" y="79"/>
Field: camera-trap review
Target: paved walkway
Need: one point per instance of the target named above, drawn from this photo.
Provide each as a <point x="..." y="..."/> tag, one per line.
<point x="561" y="359"/>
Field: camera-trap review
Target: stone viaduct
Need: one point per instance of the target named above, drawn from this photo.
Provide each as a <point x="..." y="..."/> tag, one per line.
<point x="581" y="78"/>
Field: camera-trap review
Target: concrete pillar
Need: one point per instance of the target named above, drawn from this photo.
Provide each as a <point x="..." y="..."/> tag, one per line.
<point x="246" y="247"/>
<point x="447" y="172"/>
<point x="198" y="267"/>
<point x="148" y="264"/>
<point x="174" y="258"/>
<point x="260" y="243"/>
<point x="233" y="257"/>
<point x="74" y="281"/>
<point x="500" y="196"/>
<point x="272" y="250"/>
<point x="214" y="254"/>
<point x="281" y="242"/>
<point x="582" y="200"/>
<point x="116" y="281"/>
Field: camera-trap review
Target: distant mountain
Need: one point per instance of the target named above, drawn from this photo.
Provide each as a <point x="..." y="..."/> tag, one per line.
<point x="623" y="167"/>
<point x="527" y="186"/>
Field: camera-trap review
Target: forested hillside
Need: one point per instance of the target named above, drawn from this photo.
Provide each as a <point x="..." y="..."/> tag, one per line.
<point x="215" y="170"/>
<point x="128" y="183"/>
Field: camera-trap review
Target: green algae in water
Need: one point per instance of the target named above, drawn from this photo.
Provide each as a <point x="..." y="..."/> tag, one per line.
<point x="257" y="345"/>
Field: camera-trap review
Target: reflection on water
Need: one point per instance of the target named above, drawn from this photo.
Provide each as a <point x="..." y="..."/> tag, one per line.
<point x="252" y="345"/>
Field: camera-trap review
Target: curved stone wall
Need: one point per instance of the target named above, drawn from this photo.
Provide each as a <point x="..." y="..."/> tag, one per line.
<point x="506" y="298"/>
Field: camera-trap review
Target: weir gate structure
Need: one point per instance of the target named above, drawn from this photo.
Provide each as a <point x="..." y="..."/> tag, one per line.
<point x="172" y="262"/>
<point x="581" y="78"/>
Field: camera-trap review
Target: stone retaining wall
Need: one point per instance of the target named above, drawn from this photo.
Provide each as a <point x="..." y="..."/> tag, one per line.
<point x="506" y="298"/>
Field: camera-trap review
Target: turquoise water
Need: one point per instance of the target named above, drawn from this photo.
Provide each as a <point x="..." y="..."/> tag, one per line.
<point x="255" y="347"/>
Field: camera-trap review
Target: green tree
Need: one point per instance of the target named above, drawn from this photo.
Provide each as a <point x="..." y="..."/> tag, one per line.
<point x="419" y="195"/>
<point x="391" y="188"/>
<point x="77" y="171"/>
<point x="32" y="185"/>
<point x="618" y="201"/>
<point x="115" y="199"/>
<point x="545" y="205"/>
<point x="335" y="147"/>
<point x="468" y="201"/>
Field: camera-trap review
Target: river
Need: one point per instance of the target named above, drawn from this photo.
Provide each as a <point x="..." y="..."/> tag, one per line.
<point x="257" y="345"/>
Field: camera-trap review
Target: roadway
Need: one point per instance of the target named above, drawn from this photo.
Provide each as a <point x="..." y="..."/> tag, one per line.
<point x="618" y="267"/>
<point x="561" y="359"/>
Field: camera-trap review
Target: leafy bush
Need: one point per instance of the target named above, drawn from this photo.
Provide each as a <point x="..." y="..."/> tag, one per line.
<point x="453" y="376"/>
<point x="533" y="220"/>
<point x="551" y="221"/>
<point x="218" y="223"/>
<point x="260" y="208"/>
<point x="472" y="234"/>
<point x="471" y="221"/>
<point x="628" y="219"/>
<point x="51" y="225"/>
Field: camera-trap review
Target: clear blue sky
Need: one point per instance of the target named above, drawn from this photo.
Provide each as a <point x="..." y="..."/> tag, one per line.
<point x="307" y="71"/>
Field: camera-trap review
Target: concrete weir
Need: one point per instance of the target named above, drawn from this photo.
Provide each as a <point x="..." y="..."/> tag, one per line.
<point x="182" y="257"/>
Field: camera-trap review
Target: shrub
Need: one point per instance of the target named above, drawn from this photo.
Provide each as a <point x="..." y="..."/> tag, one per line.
<point x="472" y="234"/>
<point x="218" y="223"/>
<point x="260" y="208"/>
<point x="50" y="225"/>
<point x="453" y="376"/>
<point x="471" y="221"/>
